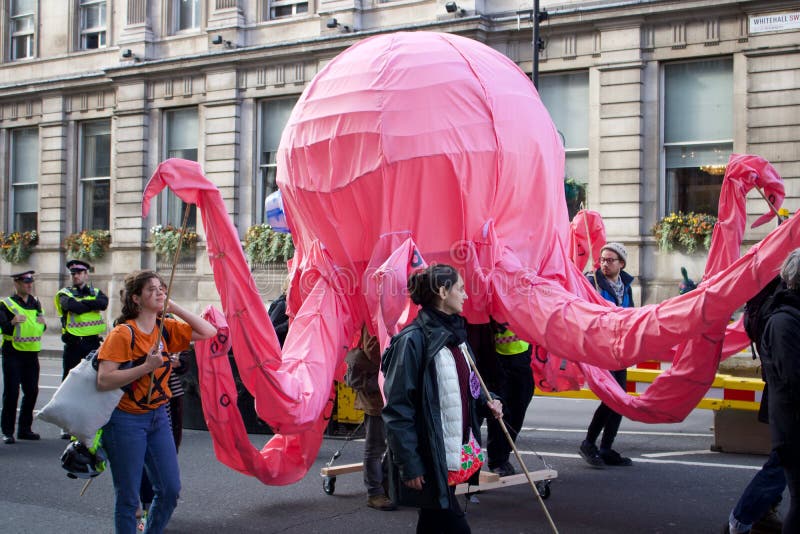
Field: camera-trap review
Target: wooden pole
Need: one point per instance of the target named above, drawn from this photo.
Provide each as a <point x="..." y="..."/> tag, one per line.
<point x="169" y="291"/>
<point x="511" y="442"/>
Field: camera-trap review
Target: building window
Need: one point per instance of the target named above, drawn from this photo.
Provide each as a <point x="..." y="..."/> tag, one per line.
<point x="95" y="175"/>
<point x="24" y="179"/>
<point x="93" y="24"/>
<point x="566" y="97"/>
<point x="22" y="22"/>
<point x="698" y="133"/>
<point x="281" y="9"/>
<point x="181" y="134"/>
<point x="185" y="15"/>
<point x="274" y="114"/>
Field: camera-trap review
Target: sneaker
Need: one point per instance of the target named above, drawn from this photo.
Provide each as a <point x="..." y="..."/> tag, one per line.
<point x="142" y="523"/>
<point x="65" y="434"/>
<point x="8" y="439"/>
<point x="771" y="523"/>
<point x="612" y="457"/>
<point x="27" y="434"/>
<point x="380" y="502"/>
<point x="504" y="470"/>
<point x="589" y="453"/>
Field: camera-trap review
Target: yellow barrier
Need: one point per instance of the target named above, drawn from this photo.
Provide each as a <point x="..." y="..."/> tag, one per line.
<point x="726" y="391"/>
<point x="346" y="411"/>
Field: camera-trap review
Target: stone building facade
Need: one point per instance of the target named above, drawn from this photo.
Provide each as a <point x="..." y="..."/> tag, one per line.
<point x="650" y="96"/>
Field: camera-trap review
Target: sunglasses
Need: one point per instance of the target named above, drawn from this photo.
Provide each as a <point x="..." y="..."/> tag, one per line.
<point x="77" y="271"/>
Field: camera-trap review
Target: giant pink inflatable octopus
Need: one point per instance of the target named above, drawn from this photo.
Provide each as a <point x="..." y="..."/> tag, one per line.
<point x="412" y="148"/>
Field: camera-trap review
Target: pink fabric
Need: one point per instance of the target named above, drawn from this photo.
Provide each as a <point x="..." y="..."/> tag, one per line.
<point x="587" y="234"/>
<point x="743" y="174"/>
<point x="285" y="458"/>
<point x="292" y="390"/>
<point x="694" y="362"/>
<point x="421" y="147"/>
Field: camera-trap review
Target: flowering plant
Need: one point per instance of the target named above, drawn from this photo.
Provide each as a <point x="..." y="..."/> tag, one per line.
<point x="573" y="189"/>
<point x="17" y="246"/>
<point x="165" y="239"/>
<point x="685" y="232"/>
<point x="262" y="244"/>
<point x="88" y="244"/>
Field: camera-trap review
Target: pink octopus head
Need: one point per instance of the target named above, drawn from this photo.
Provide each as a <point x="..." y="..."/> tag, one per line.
<point x="430" y="136"/>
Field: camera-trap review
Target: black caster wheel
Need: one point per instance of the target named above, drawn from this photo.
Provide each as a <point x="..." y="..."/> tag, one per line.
<point x="329" y="485"/>
<point x="543" y="487"/>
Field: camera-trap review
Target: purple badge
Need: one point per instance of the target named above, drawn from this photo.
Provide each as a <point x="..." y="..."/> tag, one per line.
<point x="474" y="385"/>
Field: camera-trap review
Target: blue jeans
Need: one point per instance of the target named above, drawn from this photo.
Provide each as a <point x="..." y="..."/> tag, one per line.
<point x="761" y="494"/>
<point x="142" y="441"/>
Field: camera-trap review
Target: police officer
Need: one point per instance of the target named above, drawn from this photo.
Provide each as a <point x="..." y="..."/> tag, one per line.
<point x="82" y="323"/>
<point x="22" y="324"/>
<point x="514" y="385"/>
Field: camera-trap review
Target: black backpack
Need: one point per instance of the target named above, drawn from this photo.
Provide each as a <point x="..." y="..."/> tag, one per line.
<point x="92" y="356"/>
<point x="757" y="311"/>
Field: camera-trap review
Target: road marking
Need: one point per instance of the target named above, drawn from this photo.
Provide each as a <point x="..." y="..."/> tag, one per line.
<point x="652" y="461"/>
<point x="629" y="432"/>
<point x="699" y="464"/>
<point x="676" y="453"/>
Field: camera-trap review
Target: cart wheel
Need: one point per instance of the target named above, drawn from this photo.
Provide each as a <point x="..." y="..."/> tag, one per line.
<point x="329" y="485"/>
<point x="543" y="487"/>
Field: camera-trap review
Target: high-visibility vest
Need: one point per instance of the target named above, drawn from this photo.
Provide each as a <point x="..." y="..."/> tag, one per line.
<point x="508" y="344"/>
<point x="90" y="323"/>
<point x="27" y="336"/>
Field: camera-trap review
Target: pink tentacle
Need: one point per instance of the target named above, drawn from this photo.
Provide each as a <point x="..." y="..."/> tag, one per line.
<point x="292" y="390"/>
<point x="617" y="338"/>
<point x="286" y="458"/>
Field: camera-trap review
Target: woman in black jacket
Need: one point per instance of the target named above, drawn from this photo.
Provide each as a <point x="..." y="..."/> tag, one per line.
<point x="781" y="360"/>
<point x="431" y="401"/>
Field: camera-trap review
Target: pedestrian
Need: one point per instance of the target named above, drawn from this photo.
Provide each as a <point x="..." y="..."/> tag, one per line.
<point x="277" y="313"/>
<point x="515" y="388"/>
<point x="432" y="397"/>
<point x="781" y="360"/>
<point x="614" y="285"/>
<point x="79" y="306"/>
<point x="138" y="435"/>
<point x="175" y="416"/>
<point x="363" y="365"/>
<point x="23" y="324"/>
<point x="757" y="508"/>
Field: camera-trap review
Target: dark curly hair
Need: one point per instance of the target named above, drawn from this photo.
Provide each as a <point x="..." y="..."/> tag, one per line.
<point x="133" y="285"/>
<point x="423" y="285"/>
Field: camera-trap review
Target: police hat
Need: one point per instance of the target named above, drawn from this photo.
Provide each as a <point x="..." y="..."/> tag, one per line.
<point x="27" y="276"/>
<point x="78" y="265"/>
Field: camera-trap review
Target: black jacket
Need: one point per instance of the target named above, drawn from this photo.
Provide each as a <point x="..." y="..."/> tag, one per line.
<point x="278" y="318"/>
<point x="781" y="360"/>
<point x="412" y="416"/>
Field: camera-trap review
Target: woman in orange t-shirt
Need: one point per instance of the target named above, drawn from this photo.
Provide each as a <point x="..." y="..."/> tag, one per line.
<point x="138" y="435"/>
